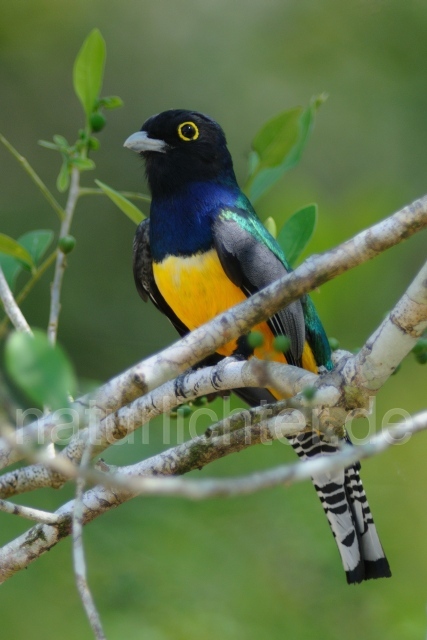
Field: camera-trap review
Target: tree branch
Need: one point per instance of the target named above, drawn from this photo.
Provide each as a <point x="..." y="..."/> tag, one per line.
<point x="78" y="552"/>
<point x="238" y="320"/>
<point x="154" y="371"/>
<point x="34" y="177"/>
<point x="28" y="286"/>
<point x="29" y="513"/>
<point x="117" y="426"/>
<point x="348" y="386"/>
<point x="22" y="551"/>
<point x="55" y="304"/>
<point x="393" y="339"/>
<point x="11" y="308"/>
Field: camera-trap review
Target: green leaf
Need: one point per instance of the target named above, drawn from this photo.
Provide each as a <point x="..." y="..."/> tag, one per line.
<point x="306" y="127"/>
<point x="89" y="70"/>
<point x="63" y="179"/>
<point x="11" y="247"/>
<point x="123" y="203"/>
<point x="111" y="102"/>
<point x="297" y="231"/>
<point x="61" y="141"/>
<point x="36" y="243"/>
<point x="253" y="162"/>
<point x="94" y="143"/>
<point x="276" y="138"/>
<point x="278" y="147"/>
<point x="270" y="225"/>
<point x="11" y="269"/>
<point x="83" y="164"/>
<point x="48" y="145"/>
<point x="41" y="370"/>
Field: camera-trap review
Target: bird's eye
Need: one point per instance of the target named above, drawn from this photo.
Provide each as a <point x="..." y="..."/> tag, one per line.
<point x="188" y="131"/>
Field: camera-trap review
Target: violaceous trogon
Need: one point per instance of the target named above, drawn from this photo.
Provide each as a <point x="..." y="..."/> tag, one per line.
<point x="203" y="250"/>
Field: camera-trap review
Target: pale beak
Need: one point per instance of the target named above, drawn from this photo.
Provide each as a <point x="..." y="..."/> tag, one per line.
<point x="141" y="142"/>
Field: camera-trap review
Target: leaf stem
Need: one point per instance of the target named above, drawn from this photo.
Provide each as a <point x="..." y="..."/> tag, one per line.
<point x="34" y="177"/>
<point x="55" y="305"/>
<point x="36" y="277"/>
<point x="132" y="195"/>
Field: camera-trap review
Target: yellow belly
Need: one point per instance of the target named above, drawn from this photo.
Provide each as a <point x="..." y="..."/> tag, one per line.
<point x="198" y="289"/>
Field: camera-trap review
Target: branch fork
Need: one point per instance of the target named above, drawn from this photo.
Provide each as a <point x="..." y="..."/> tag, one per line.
<point x="150" y="388"/>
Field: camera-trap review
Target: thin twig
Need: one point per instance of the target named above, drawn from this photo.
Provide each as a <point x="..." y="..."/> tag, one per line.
<point x="282" y="474"/>
<point x="55" y="304"/>
<point x="260" y="424"/>
<point x="132" y="195"/>
<point x="34" y="177"/>
<point x="78" y="551"/>
<point x="36" y="277"/>
<point x="44" y="517"/>
<point x="28" y="286"/>
<point x="11" y="308"/>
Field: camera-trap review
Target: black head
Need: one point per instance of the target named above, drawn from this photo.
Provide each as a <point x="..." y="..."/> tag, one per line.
<point x="179" y="147"/>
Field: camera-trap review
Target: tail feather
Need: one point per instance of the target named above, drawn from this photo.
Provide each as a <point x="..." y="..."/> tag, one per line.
<point x="345" y="504"/>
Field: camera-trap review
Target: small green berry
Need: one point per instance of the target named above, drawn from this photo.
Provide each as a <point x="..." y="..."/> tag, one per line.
<point x="184" y="410"/>
<point x="97" y="122"/>
<point x="200" y="402"/>
<point x="334" y="344"/>
<point x="281" y="344"/>
<point x="421" y="346"/>
<point x="67" y="244"/>
<point x="421" y="358"/>
<point x="309" y="393"/>
<point x="255" y="339"/>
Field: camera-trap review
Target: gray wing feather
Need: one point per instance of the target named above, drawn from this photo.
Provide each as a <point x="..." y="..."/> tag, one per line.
<point x="251" y="265"/>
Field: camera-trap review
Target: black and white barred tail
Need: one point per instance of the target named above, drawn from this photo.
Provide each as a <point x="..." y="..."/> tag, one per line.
<point x="344" y="501"/>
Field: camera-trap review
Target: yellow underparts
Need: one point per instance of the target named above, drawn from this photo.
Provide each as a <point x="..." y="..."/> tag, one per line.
<point x="198" y="289"/>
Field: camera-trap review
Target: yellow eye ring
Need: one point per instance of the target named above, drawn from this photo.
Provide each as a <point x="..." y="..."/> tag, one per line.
<point x="188" y="131"/>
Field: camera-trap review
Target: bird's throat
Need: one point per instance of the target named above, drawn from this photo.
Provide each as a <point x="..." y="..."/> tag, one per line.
<point x="181" y="224"/>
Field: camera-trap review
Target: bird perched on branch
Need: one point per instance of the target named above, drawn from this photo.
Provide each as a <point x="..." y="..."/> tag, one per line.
<point x="204" y="250"/>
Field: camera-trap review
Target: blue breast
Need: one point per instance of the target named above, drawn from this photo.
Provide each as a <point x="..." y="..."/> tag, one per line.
<point x="181" y="225"/>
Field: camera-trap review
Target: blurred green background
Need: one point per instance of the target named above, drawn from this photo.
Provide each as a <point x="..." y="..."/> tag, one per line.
<point x="263" y="566"/>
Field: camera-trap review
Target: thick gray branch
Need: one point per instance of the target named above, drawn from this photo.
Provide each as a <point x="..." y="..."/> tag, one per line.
<point x="166" y="365"/>
<point x="118" y="425"/>
<point x="22" y="551"/>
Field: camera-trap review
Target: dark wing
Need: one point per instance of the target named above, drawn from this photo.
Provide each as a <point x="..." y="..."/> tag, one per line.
<point x="251" y="265"/>
<point x="144" y="278"/>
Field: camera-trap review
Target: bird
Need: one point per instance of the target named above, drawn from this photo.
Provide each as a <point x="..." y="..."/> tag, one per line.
<point x="202" y="250"/>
